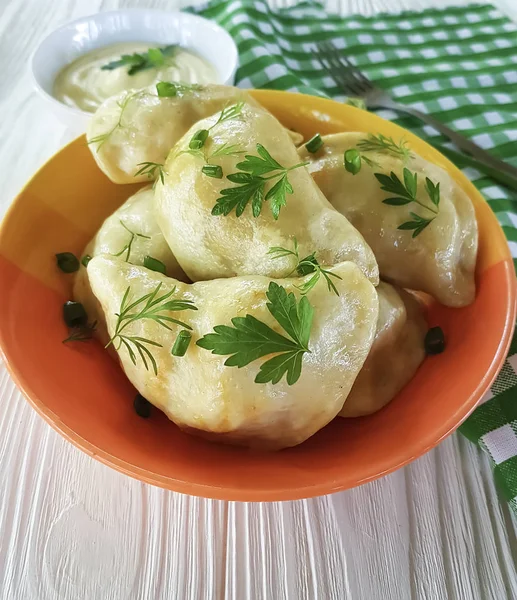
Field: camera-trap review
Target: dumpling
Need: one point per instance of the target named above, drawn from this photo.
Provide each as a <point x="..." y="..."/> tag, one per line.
<point x="209" y="245"/>
<point x="138" y="126"/>
<point x="202" y="395"/>
<point x="132" y="233"/>
<point x="396" y="354"/>
<point x="436" y="256"/>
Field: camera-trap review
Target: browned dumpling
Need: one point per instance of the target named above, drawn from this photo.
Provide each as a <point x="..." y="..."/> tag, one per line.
<point x="396" y="354"/>
<point x="438" y="258"/>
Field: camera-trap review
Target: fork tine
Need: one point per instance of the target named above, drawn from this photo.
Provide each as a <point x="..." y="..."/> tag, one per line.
<point x="336" y="71"/>
<point x="350" y="76"/>
<point x="345" y="73"/>
<point x="357" y="72"/>
<point x="344" y="84"/>
<point x="352" y="72"/>
<point x="349" y="83"/>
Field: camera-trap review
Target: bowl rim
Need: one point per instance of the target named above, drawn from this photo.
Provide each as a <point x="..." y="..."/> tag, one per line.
<point x="221" y="492"/>
<point x="227" y="76"/>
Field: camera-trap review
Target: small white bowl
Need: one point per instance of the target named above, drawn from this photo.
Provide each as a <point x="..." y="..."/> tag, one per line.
<point x="74" y="39"/>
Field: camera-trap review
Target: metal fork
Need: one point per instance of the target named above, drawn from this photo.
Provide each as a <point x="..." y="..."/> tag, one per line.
<point x="354" y="83"/>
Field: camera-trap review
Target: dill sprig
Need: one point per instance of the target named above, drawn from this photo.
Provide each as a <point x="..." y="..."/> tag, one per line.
<point x="354" y="157"/>
<point x="222" y="150"/>
<point x="208" y="168"/>
<point x="199" y="139"/>
<point x="152" y="170"/>
<point x="128" y="246"/>
<point x="150" y="306"/>
<point x="228" y="113"/>
<point x="102" y="138"/>
<point x="304" y="266"/>
<point x="197" y="143"/>
<point x="386" y="145"/>
<point x="225" y="150"/>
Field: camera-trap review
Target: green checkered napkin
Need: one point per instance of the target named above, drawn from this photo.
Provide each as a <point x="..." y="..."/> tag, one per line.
<point x="459" y="64"/>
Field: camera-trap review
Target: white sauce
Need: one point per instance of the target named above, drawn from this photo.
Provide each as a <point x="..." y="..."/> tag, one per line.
<point x="85" y="85"/>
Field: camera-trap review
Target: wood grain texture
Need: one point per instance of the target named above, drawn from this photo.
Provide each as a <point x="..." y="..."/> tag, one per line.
<point x="73" y="529"/>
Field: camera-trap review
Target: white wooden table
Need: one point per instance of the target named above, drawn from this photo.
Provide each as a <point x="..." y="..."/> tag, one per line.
<point x="73" y="529"/>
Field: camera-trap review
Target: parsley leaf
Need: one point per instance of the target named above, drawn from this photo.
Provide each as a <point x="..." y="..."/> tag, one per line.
<point x="405" y="193"/>
<point x="259" y="165"/>
<point x="153" y="58"/>
<point x="433" y="191"/>
<point x="418" y="224"/>
<point x="277" y="195"/>
<point x="250" y="339"/>
<point x="251" y="176"/>
<point x="237" y="198"/>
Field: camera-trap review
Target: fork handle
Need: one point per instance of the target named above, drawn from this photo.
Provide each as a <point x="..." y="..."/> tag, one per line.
<point x="498" y="169"/>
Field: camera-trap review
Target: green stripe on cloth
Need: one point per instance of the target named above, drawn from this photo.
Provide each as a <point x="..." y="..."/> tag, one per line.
<point x="506" y="477"/>
<point x="496" y="412"/>
<point x="458" y="63"/>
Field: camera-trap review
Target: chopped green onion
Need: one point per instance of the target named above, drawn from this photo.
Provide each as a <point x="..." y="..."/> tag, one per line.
<point x="74" y="314"/>
<point x="307" y="265"/>
<point x="198" y="139"/>
<point x="143" y="407"/>
<point x="353" y="161"/>
<point x="182" y="343"/>
<point x="164" y="89"/>
<point x="154" y="264"/>
<point x="85" y="260"/>
<point x="67" y="262"/>
<point x="213" y="171"/>
<point x="314" y="144"/>
<point x="434" y="341"/>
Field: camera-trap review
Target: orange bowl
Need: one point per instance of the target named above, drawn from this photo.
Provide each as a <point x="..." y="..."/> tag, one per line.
<point x="85" y="396"/>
